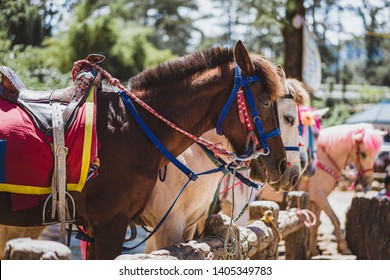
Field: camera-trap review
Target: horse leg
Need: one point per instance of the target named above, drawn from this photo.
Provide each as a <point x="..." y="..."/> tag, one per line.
<point x="226" y="208"/>
<point x="313" y="251"/>
<point x="200" y="226"/>
<point x="342" y="246"/>
<point x="109" y="238"/>
<point x="169" y="233"/>
<point x="189" y="233"/>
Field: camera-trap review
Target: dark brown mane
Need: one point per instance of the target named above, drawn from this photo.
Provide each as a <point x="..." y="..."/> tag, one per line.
<point x="181" y="68"/>
<point x="269" y="77"/>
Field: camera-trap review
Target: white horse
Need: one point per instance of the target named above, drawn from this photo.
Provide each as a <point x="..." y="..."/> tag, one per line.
<point x="310" y="118"/>
<point x="193" y="205"/>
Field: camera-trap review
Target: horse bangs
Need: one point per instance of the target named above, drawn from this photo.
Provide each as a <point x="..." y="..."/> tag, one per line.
<point x="372" y="140"/>
<point x="297" y="91"/>
<point x="269" y="77"/>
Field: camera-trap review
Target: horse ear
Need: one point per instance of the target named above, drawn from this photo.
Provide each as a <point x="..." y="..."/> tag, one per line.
<point x="243" y="59"/>
<point x="281" y="72"/>
<point x="320" y="112"/>
<point x="358" y="137"/>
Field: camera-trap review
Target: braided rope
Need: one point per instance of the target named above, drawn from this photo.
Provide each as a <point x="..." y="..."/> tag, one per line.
<point x="115" y="82"/>
<point x="328" y="170"/>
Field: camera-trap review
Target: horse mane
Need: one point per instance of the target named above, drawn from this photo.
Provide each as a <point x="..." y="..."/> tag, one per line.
<point x="297" y="92"/>
<point x="335" y="136"/>
<point x="181" y="68"/>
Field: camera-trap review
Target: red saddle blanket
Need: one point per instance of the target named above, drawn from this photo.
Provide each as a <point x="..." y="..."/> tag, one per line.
<point x="26" y="157"/>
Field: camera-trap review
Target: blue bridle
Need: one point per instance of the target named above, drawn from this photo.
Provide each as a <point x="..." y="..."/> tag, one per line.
<point x="262" y="137"/>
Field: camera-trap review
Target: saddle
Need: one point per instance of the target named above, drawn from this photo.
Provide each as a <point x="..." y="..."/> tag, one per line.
<point x="53" y="112"/>
<point x="39" y="103"/>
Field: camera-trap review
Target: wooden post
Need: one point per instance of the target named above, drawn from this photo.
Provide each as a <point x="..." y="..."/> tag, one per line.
<point x="257" y="210"/>
<point x="367" y="227"/>
<point x="297" y="243"/>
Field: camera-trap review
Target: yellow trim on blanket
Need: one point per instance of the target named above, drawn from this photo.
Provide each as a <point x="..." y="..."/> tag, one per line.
<point x="24" y="189"/>
<point x="86" y="158"/>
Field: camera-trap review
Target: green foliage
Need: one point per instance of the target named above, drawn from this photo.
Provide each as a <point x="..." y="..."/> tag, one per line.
<point x="33" y="65"/>
<point x="171" y="21"/>
<point x="338" y="111"/>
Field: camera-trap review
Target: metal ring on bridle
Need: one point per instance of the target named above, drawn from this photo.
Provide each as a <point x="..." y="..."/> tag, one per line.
<point x="254" y="119"/>
<point x="266" y="151"/>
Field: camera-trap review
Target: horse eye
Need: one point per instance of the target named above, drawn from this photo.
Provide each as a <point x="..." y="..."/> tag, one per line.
<point x="267" y="104"/>
<point x="289" y="120"/>
<point x="363" y="155"/>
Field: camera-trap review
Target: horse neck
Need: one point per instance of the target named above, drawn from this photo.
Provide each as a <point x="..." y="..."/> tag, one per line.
<point x="335" y="158"/>
<point x="193" y="105"/>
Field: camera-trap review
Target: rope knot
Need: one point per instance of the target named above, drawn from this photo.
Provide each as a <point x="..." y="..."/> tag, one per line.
<point x="268" y="217"/>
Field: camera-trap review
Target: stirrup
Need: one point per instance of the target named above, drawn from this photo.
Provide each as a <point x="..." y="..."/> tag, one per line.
<point x="69" y="219"/>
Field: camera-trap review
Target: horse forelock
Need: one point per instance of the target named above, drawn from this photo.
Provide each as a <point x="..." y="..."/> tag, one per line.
<point x="372" y="140"/>
<point x="268" y="76"/>
<point x="297" y="91"/>
<point x="181" y="68"/>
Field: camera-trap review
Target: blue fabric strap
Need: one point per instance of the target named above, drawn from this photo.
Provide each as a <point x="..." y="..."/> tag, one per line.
<point x="311" y="141"/>
<point x="149" y="133"/>
<point x="224" y="167"/>
<point x="241" y="81"/>
<point x="226" y="108"/>
<point x="291" y="148"/>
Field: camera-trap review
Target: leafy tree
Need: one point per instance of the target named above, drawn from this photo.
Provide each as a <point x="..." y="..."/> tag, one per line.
<point x="171" y="20"/>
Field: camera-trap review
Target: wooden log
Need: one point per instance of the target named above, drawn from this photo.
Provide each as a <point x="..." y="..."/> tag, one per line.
<point x="368" y="227"/>
<point x="258" y="240"/>
<point x="266" y="231"/>
<point x="31" y="249"/>
<point x="210" y="247"/>
<point x="297" y="240"/>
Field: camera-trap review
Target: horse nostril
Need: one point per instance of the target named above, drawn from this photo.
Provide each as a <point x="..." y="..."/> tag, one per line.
<point x="283" y="166"/>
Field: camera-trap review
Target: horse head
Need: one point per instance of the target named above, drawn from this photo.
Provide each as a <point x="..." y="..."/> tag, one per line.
<point x="259" y="77"/>
<point x="289" y="121"/>
<point x="366" y="145"/>
<point x="288" y="116"/>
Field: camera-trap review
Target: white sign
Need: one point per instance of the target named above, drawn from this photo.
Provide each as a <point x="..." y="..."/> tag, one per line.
<point x="311" y="62"/>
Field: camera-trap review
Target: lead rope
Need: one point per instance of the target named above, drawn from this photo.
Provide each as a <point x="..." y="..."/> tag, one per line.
<point x="311" y="219"/>
<point x="232" y="240"/>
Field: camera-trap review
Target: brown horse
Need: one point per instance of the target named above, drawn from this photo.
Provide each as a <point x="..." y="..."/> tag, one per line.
<point x="190" y="92"/>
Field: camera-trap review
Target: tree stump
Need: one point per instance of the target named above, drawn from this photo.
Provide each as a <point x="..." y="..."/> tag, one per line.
<point x="367" y="227"/>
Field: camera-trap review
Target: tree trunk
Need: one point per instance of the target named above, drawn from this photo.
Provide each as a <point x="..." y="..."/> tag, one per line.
<point x="293" y="39"/>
